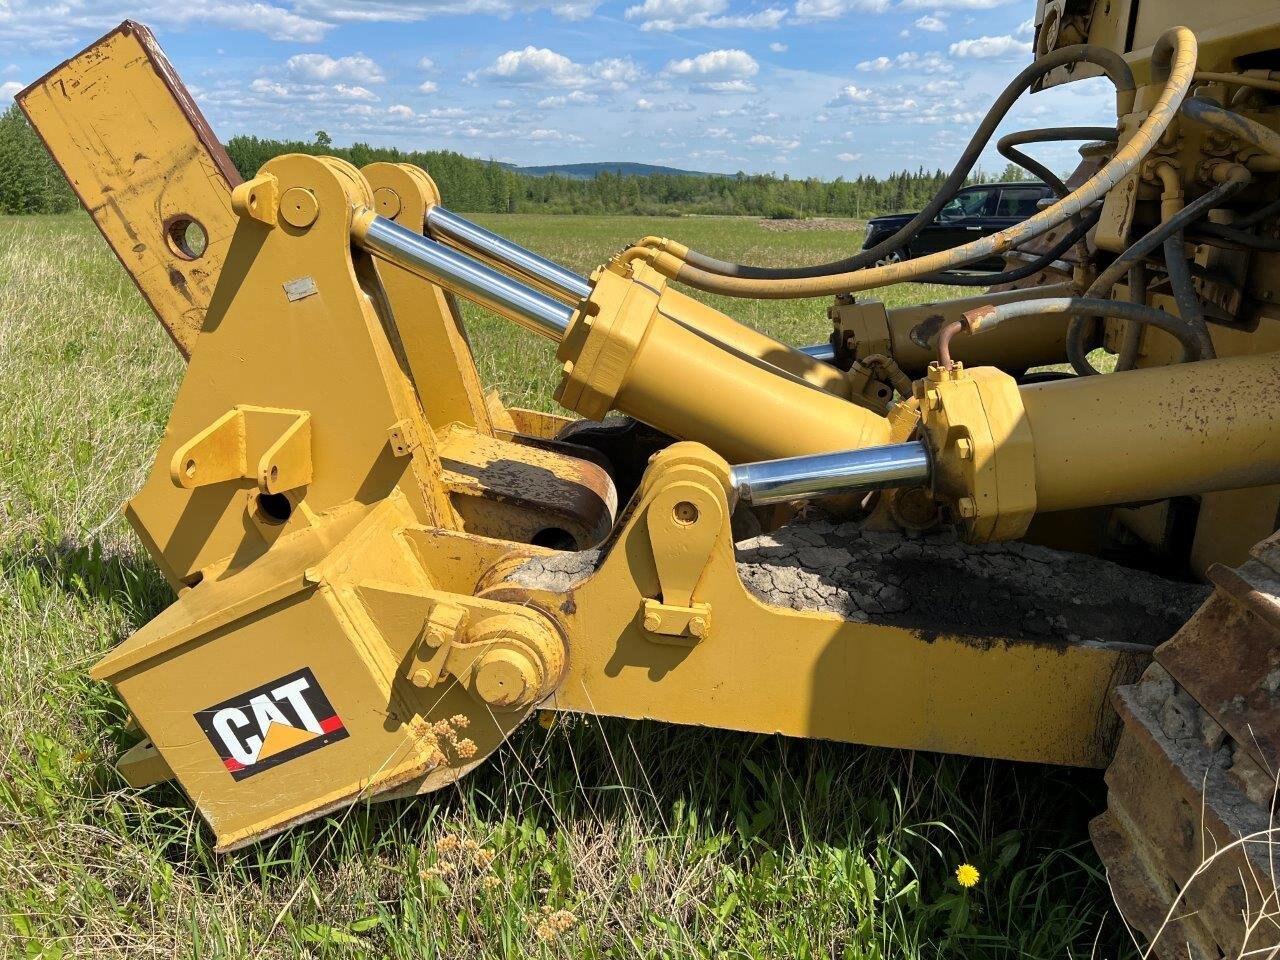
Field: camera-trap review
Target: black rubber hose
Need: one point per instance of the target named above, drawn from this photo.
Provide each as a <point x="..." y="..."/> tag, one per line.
<point x="1009" y="143"/>
<point x="1043" y="260"/>
<point x="1088" y="309"/>
<point x="1111" y="63"/>
<point x="1078" y="328"/>
<point x="1232" y="234"/>
<point x="1258" y="216"/>
<point x="1184" y="294"/>
<point x="1131" y="341"/>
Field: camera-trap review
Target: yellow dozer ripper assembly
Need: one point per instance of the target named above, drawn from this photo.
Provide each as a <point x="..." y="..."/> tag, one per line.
<point x="908" y="537"/>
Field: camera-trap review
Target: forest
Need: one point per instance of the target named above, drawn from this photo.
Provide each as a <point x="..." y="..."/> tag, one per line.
<point x="31" y="183"/>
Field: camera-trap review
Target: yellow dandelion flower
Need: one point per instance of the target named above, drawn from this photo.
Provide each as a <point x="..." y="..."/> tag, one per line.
<point x="447" y="844"/>
<point x="967" y="875"/>
<point x="484" y="858"/>
<point x="466" y="748"/>
<point x="490" y="881"/>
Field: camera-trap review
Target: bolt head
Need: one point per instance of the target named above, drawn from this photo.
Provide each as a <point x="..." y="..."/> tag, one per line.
<point x="652" y="622"/>
<point x="698" y="627"/>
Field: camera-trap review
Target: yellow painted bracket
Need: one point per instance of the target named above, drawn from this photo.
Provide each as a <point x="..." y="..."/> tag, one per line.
<point x="683" y="520"/>
<point x="142" y="765"/>
<point x="228" y="448"/>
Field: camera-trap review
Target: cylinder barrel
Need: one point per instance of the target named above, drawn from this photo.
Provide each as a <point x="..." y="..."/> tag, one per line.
<point x="1156" y="432"/>
<point x="737" y="336"/>
<point x="461" y="275"/>
<point x="825" y="474"/>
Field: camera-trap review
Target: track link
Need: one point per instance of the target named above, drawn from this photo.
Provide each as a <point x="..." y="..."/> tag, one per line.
<point x="1189" y="836"/>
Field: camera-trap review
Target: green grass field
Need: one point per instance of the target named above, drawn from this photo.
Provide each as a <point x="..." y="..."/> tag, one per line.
<point x="596" y="838"/>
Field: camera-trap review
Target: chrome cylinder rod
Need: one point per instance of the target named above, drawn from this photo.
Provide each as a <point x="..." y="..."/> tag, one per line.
<point x="461" y="275"/>
<point x="444" y="224"/>
<point x="827" y="474"/>
<point x="820" y="351"/>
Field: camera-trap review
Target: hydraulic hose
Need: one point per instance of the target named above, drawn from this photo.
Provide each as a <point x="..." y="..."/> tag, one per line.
<point x="1087" y="307"/>
<point x="1172" y="64"/>
<point x="1009" y="143"/>
<point x="1077" y="330"/>
<point x="1220" y="118"/>
<point x="1008" y="148"/>
<point x="1262" y="213"/>
<point x="1184" y="294"/>
<point x="1238" y="79"/>
<point x="1131" y="341"/>
<point x="1111" y="63"/>
<point x="1231" y="234"/>
<point x="1041" y="261"/>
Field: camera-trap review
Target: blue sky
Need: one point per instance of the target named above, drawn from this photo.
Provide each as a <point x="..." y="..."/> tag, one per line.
<point x="803" y="87"/>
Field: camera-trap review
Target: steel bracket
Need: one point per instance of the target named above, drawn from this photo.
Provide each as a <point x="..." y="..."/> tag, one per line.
<point x="268" y="445"/>
<point x="683" y="519"/>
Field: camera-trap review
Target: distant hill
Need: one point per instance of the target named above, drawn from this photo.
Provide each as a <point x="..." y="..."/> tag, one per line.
<point x="623" y="168"/>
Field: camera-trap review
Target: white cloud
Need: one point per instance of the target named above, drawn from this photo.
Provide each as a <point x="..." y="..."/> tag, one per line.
<point x="778" y="143"/>
<point x="9" y="89"/>
<point x="777" y="47"/>
<point x="409" y="11"/>
<point x="723" y="71"/>
<point x="538" y="66"/>
<point x="40" y="24"/>
<point x="954" y="4"/>
<point x="400" y="110"/>
<point x="852" y="94"/>
<point x="10" y="70"/>
<point x="322" y="67"/>
<point x="428" y="86"/>
<point x="269" y="88"/>
<point x="908" y="61"/>
<point x="426" y="63"/>
<point x="617" y="72"/>
<point x="835" y="9"/>
<point x="578" y="97"/>
<point x="848" y="157"/>
<point x="1026" y="28"/>
<point x="645" y="105"/>
<point x="991" y="48"/>
<point x="353" y="92"/>
<point x="668" y="15"/>
<point x="931" y="23"/>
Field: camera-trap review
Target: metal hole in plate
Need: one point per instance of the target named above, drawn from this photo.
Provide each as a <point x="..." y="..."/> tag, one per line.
<point x="685" y="512"/>
<point x="189" y="468"/>
<point x="555" y="538"/>
<point x="186" y="237"/>
<point x="273" y="508"/>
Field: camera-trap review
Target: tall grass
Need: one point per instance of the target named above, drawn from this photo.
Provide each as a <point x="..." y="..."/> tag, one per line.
<point x="593" y="838"/>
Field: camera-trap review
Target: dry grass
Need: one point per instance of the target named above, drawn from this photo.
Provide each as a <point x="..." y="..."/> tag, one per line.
<point x="598" y="838"/>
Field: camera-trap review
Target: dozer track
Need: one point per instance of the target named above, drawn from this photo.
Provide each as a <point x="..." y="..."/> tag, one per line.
<point x="1189" y="833"/>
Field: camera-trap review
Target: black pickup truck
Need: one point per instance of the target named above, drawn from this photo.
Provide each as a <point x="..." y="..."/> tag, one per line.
<point x="973" y="212"/>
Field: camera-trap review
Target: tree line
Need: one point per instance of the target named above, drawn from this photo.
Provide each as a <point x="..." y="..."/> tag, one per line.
<point x="31" y="183"/>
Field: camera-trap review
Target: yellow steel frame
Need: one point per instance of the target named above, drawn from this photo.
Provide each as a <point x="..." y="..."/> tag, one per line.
<point x="394" y="562"/>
